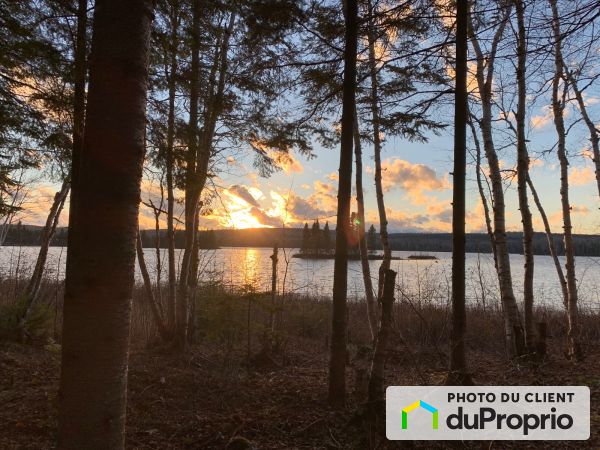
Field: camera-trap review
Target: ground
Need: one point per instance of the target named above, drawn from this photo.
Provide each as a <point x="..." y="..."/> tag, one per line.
<point x="204" y="400"/>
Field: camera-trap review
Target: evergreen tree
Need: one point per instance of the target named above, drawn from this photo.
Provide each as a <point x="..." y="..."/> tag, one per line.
<point x="326" y="238"/>
<point x="316" y="238"/>
<point x="372" y="238"/>
<point x="305" y="239"/>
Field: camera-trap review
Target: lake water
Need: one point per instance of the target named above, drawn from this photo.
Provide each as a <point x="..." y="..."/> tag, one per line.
<point x="418" y="280"/>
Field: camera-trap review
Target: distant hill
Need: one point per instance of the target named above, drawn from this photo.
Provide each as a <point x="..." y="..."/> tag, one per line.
<point x="585" y="244"/>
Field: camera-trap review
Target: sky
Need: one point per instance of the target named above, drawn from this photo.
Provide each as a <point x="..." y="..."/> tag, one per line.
<point x="416" y="180"/>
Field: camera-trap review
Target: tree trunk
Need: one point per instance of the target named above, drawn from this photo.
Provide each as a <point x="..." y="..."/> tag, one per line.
<point x="484" y="202"/>
<point x="191" y="190"/>
<point x="337" y="363"/>
<point x="558" y="105"/>
<point x="594" y="137"/>
<point x="551" y="245"/>
<point x="376" y="400"/>
<point x="458" y="365"/>
<point x="387" y="252"/>
<point x="274" y="261"/>
<point x="512" y="322"/>
<point x="171" y="307"/>
<point x="103" y="229"/>
<point x="32" y="290"/>
<point x="80" y="71"/>
<point x="362" y="241"/>
<point x="522" y="176"/>
<point x="148" y="287"/>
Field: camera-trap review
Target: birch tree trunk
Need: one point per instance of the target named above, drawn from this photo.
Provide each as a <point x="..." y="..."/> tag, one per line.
<point x="594" y="135"/>
<point x="522" y="176"/>
<point x="482" y="196"/>
<point x="362" y="241"/>
<point x="383" y="232"/>
<point x="551" y="245"/>
<point x="101" y="256"/>
<point x="337" y="362"/>
<point x="484" y="74"/>
<point x="558" y="106"/>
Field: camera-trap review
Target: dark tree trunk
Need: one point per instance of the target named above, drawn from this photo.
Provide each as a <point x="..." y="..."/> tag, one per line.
<point x="337" y="363"/>
<point x="80" y="70"/>
<point x="377" y="376"/>
<point x="191" y="196"/>
<point x="362" y="240"/>
<point x="32" y="290"/>
<point x="522" y="175"/>
<point x="152" y="302"/>
<point x="103" y="228"/>
<point x="170" y="161"/>
<point x="458" y="365"/>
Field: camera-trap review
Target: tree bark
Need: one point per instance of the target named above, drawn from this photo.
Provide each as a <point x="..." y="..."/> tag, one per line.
<point x="376" y="399"/>
<point x="100" y="273"/>
<point x="377" y="145"/>
<point x="337" y="362"/>
<point x="522" y="176"/>
<point x="512" y="322"/>
<point x="458" y="364"/>
<point x="558" y="106"/>
<point x="362" y="241"/>
<point x="80" y="69"/>
<point x="191" y="190"/>
<point x="274" y="261"/>
<point x="594" y="135"/>
<point x="484" y="201"/>
<point x="170" y="161"/>
<point x="551" y="245"/>
<point x="154" y="310"/>
<point x="31" y="293"/>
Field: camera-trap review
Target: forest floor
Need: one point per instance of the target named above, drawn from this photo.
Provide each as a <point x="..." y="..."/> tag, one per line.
<point x="204" y="400"/>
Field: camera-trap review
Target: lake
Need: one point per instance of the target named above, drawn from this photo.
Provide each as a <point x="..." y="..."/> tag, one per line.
<point x="417" y="280"/>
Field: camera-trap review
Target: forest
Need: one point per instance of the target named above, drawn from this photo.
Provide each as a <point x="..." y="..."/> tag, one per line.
<point x="144" y="137"/>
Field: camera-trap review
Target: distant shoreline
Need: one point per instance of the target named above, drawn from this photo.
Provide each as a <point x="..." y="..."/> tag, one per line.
<point x="585" y="244"/>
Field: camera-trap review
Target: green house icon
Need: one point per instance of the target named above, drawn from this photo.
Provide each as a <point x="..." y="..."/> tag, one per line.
<point x="425" y="406"/>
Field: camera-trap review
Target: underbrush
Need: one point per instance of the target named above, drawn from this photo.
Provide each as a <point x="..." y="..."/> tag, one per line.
<point x="240" y="321"/>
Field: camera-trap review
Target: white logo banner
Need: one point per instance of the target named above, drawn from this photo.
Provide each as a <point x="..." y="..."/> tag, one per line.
<point x="467" y="413"/>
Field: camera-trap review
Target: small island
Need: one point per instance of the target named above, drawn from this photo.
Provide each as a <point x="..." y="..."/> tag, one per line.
<point x="318" y="243"/>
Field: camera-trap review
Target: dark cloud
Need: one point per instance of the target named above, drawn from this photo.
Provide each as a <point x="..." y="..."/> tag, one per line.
<point x="243" y="193"/>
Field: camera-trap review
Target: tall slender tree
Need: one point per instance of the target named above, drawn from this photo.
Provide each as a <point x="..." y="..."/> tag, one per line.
<point x="485" y="68"/>
<point x="101" y="255"/>
<point x="559" y="91"/>
<point x="458" y="365"/>
<point x="523" y="175"/>
<point x="337" y="361"/>
<point x="362" y="235"/>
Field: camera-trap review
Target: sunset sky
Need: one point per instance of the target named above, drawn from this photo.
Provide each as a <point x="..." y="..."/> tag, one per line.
<point x="416" y="178"/>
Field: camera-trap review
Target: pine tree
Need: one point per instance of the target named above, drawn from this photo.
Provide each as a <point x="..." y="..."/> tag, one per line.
<point x="372" y="238"/>
<point x="326" y="238"/>
<point x="305" y="239"/>
<point x="316" y="238"/>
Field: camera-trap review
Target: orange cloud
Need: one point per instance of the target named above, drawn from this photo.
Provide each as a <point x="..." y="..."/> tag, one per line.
<point x="415" y="179"/>
<point x="580" y="176"/>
